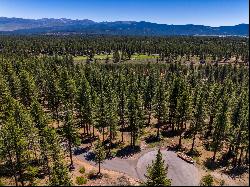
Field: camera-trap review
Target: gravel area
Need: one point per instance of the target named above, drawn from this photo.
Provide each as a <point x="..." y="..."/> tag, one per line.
<point x="180" y="172"/>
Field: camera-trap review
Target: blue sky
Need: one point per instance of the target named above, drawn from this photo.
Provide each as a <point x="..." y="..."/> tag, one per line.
<point x="206" y="12"/>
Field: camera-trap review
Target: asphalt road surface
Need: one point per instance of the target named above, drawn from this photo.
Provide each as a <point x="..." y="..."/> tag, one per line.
<point x="179" y="171"/>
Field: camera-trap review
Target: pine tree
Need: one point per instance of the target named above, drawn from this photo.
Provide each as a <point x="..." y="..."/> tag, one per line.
<point x="56" y="169"/>
<point x="198" y="116"/>
<point x="221" y="122"/>
<point x="173" y="98"/>
<point x="59" y="175"/>
<point x="14" y="84"/>
<point x="86" y="106"/>
<point x="101" y="113"/>
<point x="99" y="152"/>
<point x="160" y="106"/>
<point x="28" y="88"/>
<point x="135" y="115"/>
<point x="149" y="95"/>
<point x="112" y="116"/>
<point x="157" y="172"/>
<point x="122" y="102"/>
<point x="116" y="56"/>
<point x="183" y="109"/>
<point x="54" y="97"/>
<point x="70" y="133"/>
<point x="17" y="139"/>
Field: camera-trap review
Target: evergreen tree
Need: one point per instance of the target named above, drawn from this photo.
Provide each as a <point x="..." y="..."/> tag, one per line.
<point x="70" y="133"/>
<point x="17" y="139"/>
<point x="198" y="116"/>
<point x="99" y="152"/>
<point x="59" y="175"/>
<point x="135" y="116"/>
<point x="173" y="98"/>
<point x="183" y="109"/>
<point x="149" y="94"/>
<point x="160" y="106"/>
<point x="116" y="56"/>
<point x="221" y="122"/>
<point x="28" y="88"/>
<point x="157" y="172"/>
<point x="112" y="116"/>
<point x="122" y="102"/>
<point x="54" y="97"/>
<point x="86" y="106"/>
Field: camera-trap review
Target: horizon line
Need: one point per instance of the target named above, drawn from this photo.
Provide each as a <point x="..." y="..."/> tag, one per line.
<point x="119" y="21"/>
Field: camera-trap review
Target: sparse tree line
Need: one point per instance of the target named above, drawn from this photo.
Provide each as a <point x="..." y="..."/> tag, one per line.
<point x="169" y="48"/>
<point x="50" y="100"/>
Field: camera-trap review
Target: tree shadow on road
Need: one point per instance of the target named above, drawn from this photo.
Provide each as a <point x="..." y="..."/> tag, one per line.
<point x="81" y="150"/>
<point x="90" y="156"/>
<point x="128" y="151"/>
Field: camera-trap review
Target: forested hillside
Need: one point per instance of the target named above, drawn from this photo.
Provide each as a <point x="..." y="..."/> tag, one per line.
<point x="68" y="26"/>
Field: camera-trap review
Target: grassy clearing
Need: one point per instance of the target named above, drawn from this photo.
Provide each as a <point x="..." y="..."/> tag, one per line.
<point x="80" y="58"/>
<point x="98" y="57"/>
<point x="104" y="56"/>
<point x="141" y="56"/>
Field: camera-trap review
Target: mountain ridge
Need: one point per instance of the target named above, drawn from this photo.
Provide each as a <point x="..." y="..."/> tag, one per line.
<point x="86" y="26"/>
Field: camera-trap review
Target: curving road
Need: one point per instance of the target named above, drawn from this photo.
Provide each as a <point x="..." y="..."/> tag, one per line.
<point x="180" y="172"/>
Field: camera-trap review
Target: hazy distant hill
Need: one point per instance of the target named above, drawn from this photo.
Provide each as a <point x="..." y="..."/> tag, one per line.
<point x="67" y="26"/>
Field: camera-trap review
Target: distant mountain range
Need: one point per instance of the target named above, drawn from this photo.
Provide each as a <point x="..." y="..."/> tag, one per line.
<point x="65" y="26"/>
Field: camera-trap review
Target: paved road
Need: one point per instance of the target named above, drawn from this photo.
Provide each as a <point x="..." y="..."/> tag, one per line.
<point x="181" y="172"/>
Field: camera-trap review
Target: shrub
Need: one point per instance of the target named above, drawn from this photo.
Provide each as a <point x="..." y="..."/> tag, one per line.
<point x="82" y="170"/>
<point x="81" y="180"/>
<point x="1" y="183"/>
<point x="207" y="180"/>
<point x="222" y="183"/>
<point x="91" y="174"/>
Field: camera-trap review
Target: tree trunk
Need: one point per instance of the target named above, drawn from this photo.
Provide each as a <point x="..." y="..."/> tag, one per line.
<point x="193" y="142"/>
<point x="134" y="141"/>
<point x="215" y="151"/>
<point x="180" y="139"/>
<point x="99" y="171"/>
<point x="158" y="131"/>
<point x="13" y="169"/>
<point x="172" y="127"/>
<point x="237" y="148"/>
<point x="93" y="130"/>
<point x="122" y="133"/>
<point x="70" y="154"/>
<point x="48" y="168"/>
<point x="246" y="156"/>
<point x="241" y="154"/>
<point x="57" y="116"/>
<point x="87" y="128"/>
<point x="210" y="127"/>
<point x="103" y="134"/>
<point x="149" y="117"/>
<point x="131" y="139"/>
<point x="84" y="129"/>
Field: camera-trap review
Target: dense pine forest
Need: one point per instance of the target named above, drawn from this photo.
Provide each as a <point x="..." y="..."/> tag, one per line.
<point x="48" y="100"/>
